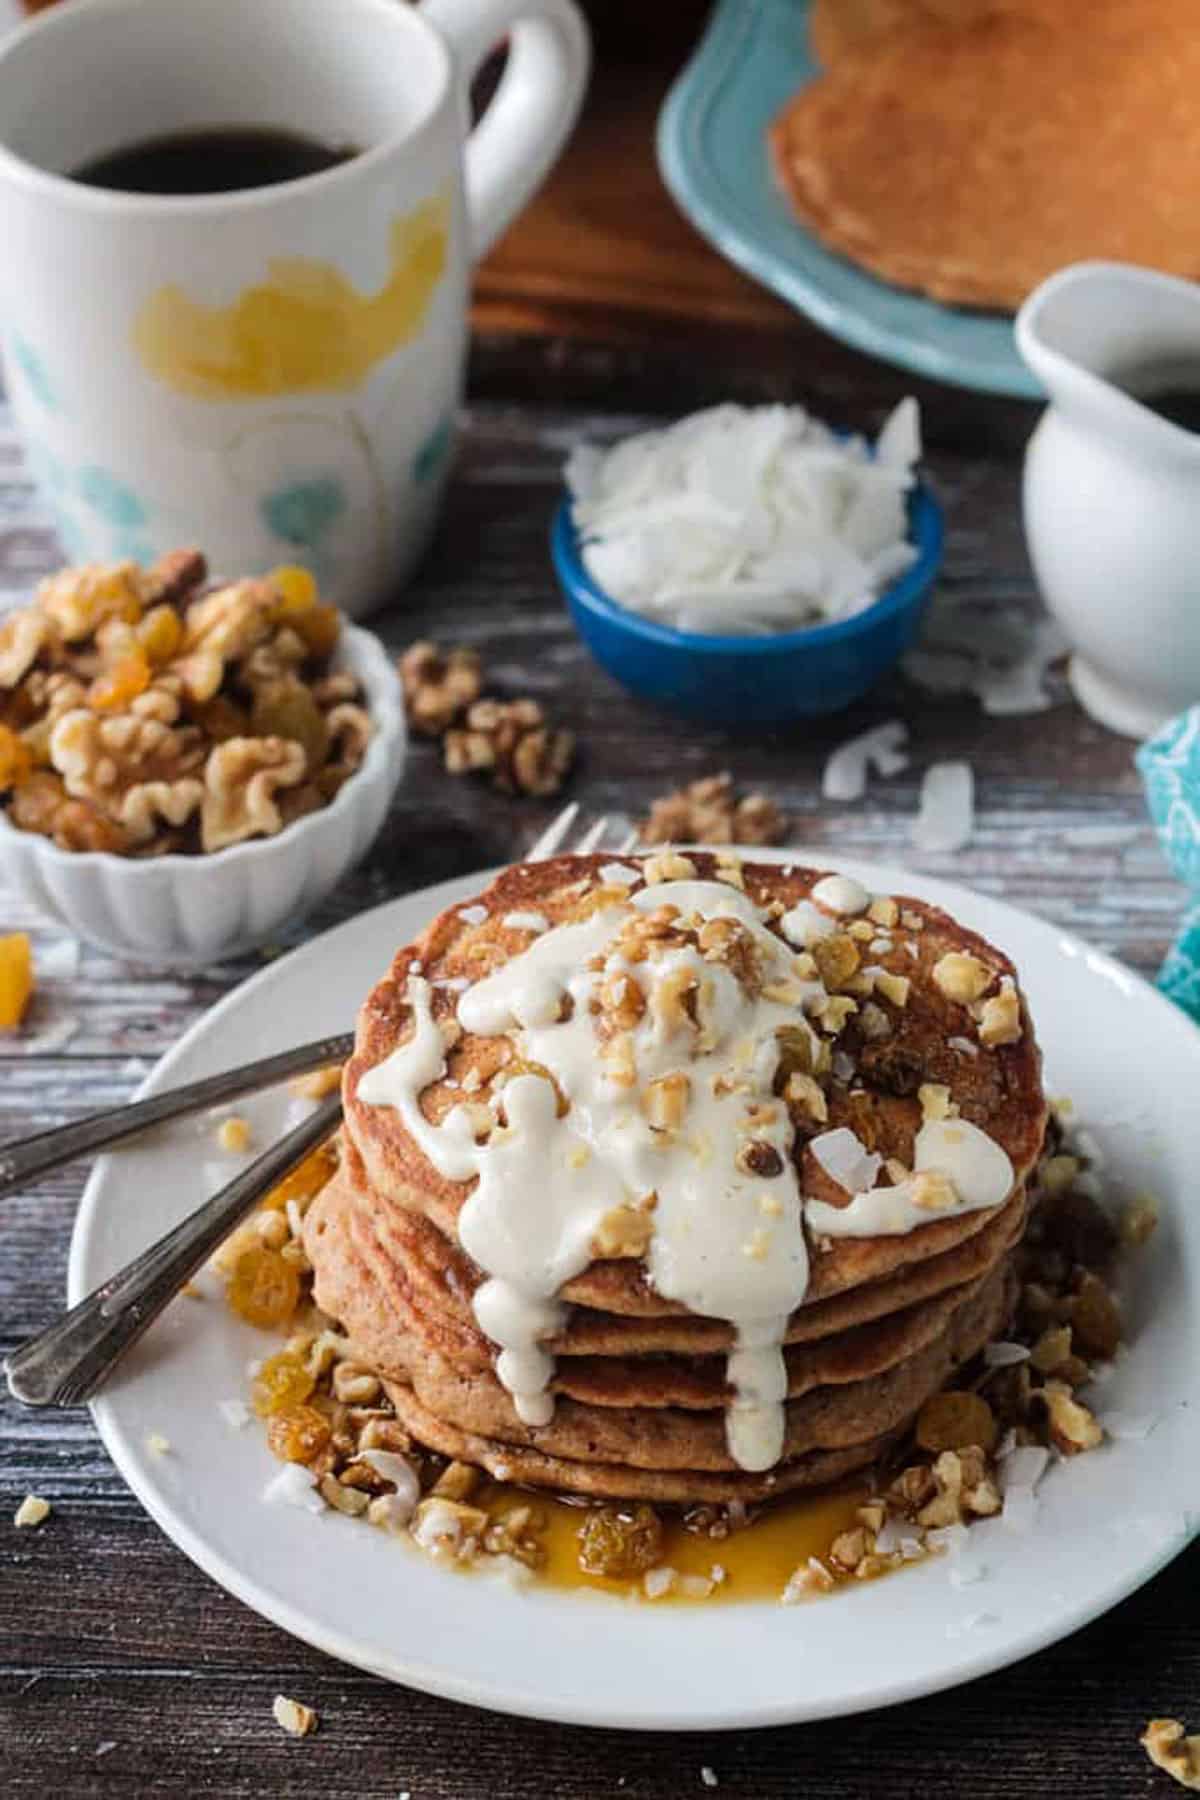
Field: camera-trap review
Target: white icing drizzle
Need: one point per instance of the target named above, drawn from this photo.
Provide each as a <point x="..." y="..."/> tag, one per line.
<point x="841" y="894"/>
<point x="978" y="1170"/>
<point x="565" y="1155"/>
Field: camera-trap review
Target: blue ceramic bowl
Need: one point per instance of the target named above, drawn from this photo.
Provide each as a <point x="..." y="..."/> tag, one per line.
<point x="752" y="681"/>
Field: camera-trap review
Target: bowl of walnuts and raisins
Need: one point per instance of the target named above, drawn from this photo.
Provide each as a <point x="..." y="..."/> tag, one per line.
<point x="187" y="764"/>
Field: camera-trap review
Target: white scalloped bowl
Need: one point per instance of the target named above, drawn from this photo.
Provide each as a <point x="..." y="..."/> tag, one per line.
<point x="185" y="911"/>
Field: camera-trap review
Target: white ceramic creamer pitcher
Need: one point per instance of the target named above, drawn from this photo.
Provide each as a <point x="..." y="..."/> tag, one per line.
<point x="1112" y="487"/>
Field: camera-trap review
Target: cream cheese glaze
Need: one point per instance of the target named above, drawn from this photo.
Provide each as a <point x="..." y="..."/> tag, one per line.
<point x="706" y="1184"/>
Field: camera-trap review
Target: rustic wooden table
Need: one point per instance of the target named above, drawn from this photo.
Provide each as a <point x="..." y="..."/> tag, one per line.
<point x="122" y="1668"/>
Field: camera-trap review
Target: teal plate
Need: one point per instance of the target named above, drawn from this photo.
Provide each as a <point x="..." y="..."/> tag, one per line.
<point x="712" y="152"/>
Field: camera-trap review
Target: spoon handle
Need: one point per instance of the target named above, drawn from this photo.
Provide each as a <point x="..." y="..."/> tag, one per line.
<point x="30" y="1158"/>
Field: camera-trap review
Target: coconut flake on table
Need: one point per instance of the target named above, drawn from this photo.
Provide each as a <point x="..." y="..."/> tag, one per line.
<point x="847" y="768"/>
<point x="998" y="654"/>
<point x="748" y="520"/>
<point x="946" y="816"/>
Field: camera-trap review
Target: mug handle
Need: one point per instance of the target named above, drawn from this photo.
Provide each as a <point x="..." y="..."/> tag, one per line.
<point x="524" y="128"/>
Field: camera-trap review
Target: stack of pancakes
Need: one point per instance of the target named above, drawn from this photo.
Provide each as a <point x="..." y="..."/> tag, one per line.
<point x="968" y="148"/>
<point x="640" y="1392"/>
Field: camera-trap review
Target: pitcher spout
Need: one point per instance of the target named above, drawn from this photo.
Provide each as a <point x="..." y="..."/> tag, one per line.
<point x="1106" y="340"/>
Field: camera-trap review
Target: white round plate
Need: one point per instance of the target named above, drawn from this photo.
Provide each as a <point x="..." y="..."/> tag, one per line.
<point x="1105" y="1523"/>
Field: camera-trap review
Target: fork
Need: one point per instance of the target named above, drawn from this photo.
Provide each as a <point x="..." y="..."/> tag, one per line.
<point x="69" y="1362"/>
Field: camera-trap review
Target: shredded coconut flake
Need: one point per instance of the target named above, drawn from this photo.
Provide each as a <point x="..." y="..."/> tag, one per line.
<point x="747" y="519"/>
<point x="1002" y="1355"/>
<point x="472" y="915"/>
<point x="881" y="748"/>
<point x="846" y="1159"/>
<point x="294" y="1486"/>
<point x="946" y="815"/>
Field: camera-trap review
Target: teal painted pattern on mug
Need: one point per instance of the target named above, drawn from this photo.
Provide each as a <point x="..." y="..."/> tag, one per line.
<point x="434" y="450"/>
<point x="125" y="515"/>
<point x="302" y="512"/>
<point x="32" y="365"/>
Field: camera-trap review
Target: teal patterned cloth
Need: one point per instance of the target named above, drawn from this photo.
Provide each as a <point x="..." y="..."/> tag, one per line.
<point x="1170" y="768"/>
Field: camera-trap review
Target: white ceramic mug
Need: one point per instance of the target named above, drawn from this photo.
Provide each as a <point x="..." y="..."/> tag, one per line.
<point x="271" y="374"/>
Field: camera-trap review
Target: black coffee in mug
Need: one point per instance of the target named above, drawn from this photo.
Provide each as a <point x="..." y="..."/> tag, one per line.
<point x="216" y="160"/>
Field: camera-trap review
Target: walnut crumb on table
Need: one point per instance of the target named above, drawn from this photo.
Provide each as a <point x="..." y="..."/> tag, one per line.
<point x="293" y="1716"/>
<point x="709" y="812"/>
<point x="510" y="741"/>
<point x="33" y="1510"/>
<point x="1169" y="1749"/>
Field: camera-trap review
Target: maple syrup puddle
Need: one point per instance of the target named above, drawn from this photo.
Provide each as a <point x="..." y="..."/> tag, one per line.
<point x="757" y="1558"/>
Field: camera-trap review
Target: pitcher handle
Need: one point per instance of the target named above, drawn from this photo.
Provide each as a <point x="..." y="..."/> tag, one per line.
<point x="524" y="128"/>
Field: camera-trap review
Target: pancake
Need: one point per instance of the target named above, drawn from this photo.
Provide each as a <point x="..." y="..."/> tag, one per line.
<point x="483" y="1244"/>
<point x="608" y="1481"/>
<point x="998" y="1090"/>
<point x="370" y="1293"/>
<point x="415" y="1265"/>
<point x="970" y="163"/>
<point x="667" y="1437"/>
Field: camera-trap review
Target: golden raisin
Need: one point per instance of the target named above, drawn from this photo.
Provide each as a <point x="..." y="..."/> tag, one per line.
<point x="297" y="590"/>
<point x="299" y="1434"/>
<point x="319" y="628"/>
<point x="16" y="979"/>
<point x="306" y="1179"/>
<point x="950" y="1421"/>
<point x="160" y="634"/>
<point x="114" y="688"/>
<point x="1095" y="1321"/>
<point x="282" y="1383"/>
<point x="617" y="1542"/>
<point x="263" y="1288"/>
<point x="286" y="709"/>
<point x="16" y="758"/>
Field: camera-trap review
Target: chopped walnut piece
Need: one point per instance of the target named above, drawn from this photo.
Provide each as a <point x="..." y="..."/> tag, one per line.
<point x="807" y="1095"/>
<point x="293" y="1716"/>
<point x="78" y="600"/>
<point x="1169" y="1749"/>
<point x="241" y="780"/>
<point x="33" y="1510"/>
<point x="668" y="865"/>
<point x="623" y="1231"/>
<point x="883" y="911"/>
<point x="848" y="1548"/>
<point x="1072" y="1426"/>
<point x="961" y="977"/>
<point x="22" y="635"/>
<point x="1139" y="1220"/>
<point x="706" y="812"/>
<point x="1000" y="1017"/>
<point x="231" y="621"/>
<point x="665" y="1101"/>
<point x="511" y="741"/>
<point x="439" y="685"/>
<point x="893" y="987"/>
<point x="809" y="1579"/>
<point x="935" y="1101"/>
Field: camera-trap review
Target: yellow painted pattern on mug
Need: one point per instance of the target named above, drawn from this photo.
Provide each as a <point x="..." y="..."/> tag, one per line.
<point x="305" y="327"/>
